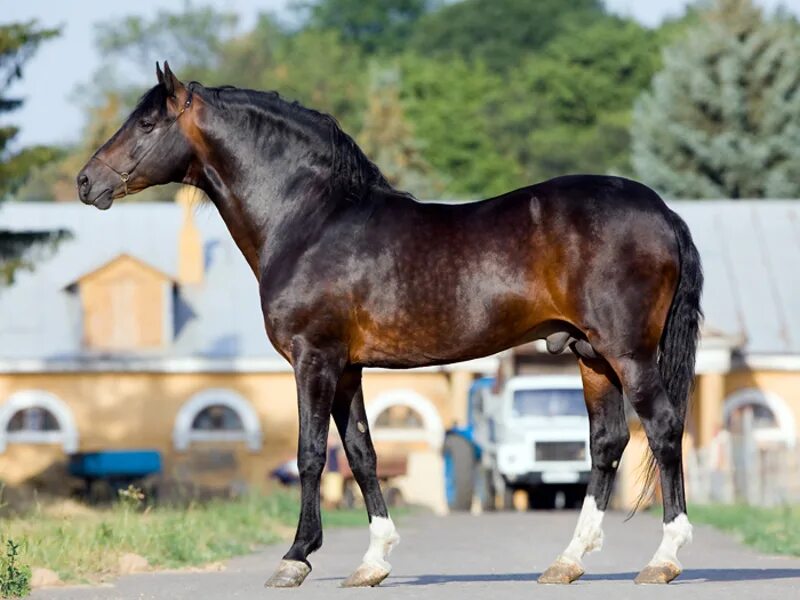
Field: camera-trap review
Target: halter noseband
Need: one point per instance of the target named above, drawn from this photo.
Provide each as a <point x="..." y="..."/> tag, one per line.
<point x="125" y="176"/>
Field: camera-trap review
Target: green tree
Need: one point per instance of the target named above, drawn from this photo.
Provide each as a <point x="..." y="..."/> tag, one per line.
<point x="388" y="138"/>
<point x="375" y="26"/>
<point x="499" y="32"/>
<point x="18" y="42"/>
<point x="446" y="104"/>
<point x="567" y="108"/>
<point x="316" y="68"/>
<point x="723" y="117"/>
<point x="193" y="38"/>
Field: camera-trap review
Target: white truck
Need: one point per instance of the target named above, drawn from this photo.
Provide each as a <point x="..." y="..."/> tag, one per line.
<point x="532" y="435"/>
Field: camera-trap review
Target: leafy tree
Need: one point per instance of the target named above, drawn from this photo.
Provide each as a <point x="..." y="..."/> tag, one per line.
<point x="388" y="138"/>
<point x="499" y="32"/>
<point x="317" y="68"/>
<point x="375" y="26"/>
<point x="464" y="99"/>
<point x="723" y="117"/>
<point x="446" y="103"/>
<point x="18" y="42"/>
<point x="567" y="108"/>
<point x="192" y="38"/>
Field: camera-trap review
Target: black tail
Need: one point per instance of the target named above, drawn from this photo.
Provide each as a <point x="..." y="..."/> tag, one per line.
<point x="680" y="336"/>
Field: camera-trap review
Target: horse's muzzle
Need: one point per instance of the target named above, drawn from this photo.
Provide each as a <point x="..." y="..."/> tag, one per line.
<point x="92" y="194"/>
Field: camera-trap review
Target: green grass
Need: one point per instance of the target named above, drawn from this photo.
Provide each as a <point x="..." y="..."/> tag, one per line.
<point x="771" y="530"/>
<point x="14" y="578"/>
<point x="86" y="545"/>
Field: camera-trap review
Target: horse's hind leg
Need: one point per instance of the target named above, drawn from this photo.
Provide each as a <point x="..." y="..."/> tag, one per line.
<point x="351" y="421"/>
<point x="663" y="424"/>
<point x="608" y="438"/>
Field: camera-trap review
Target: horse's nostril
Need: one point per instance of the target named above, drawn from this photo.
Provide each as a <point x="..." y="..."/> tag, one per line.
<point x="84" y="186"/>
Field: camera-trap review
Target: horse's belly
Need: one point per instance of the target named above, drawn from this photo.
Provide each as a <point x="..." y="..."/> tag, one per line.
<point x="435" y="337"/>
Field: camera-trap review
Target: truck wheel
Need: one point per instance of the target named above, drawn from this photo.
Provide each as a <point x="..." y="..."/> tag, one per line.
<point x="459" y="466"/>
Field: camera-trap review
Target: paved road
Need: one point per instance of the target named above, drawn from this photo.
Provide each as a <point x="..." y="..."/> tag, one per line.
<point x="476" y="558"/>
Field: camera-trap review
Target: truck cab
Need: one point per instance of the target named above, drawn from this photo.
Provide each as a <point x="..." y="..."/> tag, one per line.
<point x="532" y="435"/>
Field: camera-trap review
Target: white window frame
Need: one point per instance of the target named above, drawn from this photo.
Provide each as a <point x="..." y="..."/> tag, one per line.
<point x="433" y="428"/>
<point x="67" y="435"/>
<point x="785" y="431"/>
<point x="183" y="435"/>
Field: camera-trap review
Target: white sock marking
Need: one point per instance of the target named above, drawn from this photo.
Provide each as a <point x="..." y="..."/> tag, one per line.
<point x="382" y="538"/>
<point x="588" y="535"/>
<point x="677" y="533"/>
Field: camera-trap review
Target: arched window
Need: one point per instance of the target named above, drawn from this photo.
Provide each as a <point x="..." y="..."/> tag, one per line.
<point x="217" y="415"/>
<point x="400" y="416"/>
<point x="405" y="416"/>
<point x="37" y="417"/>
<point x="772" y="420"/>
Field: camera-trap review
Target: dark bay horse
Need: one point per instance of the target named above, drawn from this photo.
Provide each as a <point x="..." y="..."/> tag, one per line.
<point x="355" y="274"/>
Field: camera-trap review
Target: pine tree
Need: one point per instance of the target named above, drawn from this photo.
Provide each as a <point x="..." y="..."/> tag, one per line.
<point x="722" y="119"/>
<point x="18" y="42"/>
<point x="387" y="138"/>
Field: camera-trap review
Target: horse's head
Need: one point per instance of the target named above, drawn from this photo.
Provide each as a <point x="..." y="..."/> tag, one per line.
<point x="149" y="149"/>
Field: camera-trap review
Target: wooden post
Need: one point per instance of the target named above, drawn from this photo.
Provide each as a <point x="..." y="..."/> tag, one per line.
<point x="710" y="398"/>
<point x="460" y="381"/>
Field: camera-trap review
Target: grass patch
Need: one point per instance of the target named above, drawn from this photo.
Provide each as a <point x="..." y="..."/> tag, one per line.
<point x="772" y="530"/>
<point x="84" y="545"/>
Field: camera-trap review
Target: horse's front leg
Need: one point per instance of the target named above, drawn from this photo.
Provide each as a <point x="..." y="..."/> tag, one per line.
<point x="351" y="421"/>
<point x="316" y="374"/>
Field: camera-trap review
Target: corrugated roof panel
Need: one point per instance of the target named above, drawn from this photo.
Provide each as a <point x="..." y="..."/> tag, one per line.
<point x="780" y="229"/>
<point x="720" y="300"/>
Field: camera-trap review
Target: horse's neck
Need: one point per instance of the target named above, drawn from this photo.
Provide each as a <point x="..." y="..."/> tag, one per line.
<point x="259" y="214"/>
<point x="240" y="219"/>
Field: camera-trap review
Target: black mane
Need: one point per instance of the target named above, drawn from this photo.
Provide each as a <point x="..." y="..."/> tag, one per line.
<point x="351" y="172"/>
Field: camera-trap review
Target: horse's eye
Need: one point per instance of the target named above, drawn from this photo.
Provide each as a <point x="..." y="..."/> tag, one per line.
<point x="146" y="125"/>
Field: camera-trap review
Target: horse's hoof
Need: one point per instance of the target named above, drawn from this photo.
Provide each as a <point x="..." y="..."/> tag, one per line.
<point x="289" y="574"/>
<point x="561" y="571"/>
<point x="661" y="573"/>
<point x="367" y="575"/>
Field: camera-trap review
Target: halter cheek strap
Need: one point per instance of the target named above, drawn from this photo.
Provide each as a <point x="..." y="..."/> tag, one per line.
<point x="124" y="176"/>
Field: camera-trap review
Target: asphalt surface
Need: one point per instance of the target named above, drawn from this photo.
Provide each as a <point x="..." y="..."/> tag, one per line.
<point x="481" y="557"/>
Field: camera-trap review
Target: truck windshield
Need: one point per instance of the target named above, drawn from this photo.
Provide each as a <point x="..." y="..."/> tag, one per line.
<point x="549" y="403"/>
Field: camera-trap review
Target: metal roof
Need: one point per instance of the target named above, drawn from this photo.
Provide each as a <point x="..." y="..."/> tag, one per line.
<point x="39" y="318"/>
<point x="750" y="252"/>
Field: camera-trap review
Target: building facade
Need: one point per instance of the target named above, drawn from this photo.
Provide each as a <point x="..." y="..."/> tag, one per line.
<point x="144" y="330"/>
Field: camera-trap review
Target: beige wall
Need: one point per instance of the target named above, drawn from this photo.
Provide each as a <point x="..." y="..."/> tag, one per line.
<point x="785" y="384"/>
<point x="705" y="418"/>
<point x="138" y="410"/>
<point x="124" y="306"/>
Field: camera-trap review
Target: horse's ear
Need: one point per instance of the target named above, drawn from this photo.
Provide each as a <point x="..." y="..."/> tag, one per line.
<point x="159" y="73"/>
<point x="171" y="83"/>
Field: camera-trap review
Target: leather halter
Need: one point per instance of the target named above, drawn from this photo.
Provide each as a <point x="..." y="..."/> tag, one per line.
<point x="125" y="176"/>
